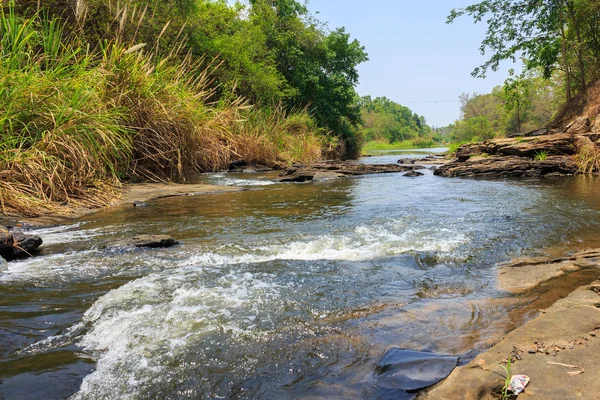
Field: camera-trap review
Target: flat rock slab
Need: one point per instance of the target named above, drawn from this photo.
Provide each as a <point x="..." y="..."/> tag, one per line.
<point x="567" y="333"/>
<point x="524" y="274"/>
<point x="147" y="241"/>
<point x="509" y="166"/>
<point x="315" y="172"/>
<point x="412" y="370"/>
<point x="143" y="192"/>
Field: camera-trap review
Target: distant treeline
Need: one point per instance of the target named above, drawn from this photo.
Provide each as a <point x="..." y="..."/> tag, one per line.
<point x="387" y="122"/>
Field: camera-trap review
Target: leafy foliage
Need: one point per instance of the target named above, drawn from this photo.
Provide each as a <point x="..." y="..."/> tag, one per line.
<point x="387" y="121"/>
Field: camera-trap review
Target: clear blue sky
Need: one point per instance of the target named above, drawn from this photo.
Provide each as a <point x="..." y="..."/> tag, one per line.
<point x="414" y="56"/>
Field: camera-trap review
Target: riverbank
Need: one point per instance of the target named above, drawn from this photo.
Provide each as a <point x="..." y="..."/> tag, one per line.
<point x="141" y="192"/>
<point x="558" y="349"/>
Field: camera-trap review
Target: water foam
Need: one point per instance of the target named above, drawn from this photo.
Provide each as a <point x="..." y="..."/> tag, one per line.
<point x="139" y="329"/>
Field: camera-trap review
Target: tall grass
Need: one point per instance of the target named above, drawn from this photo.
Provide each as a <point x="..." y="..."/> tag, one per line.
<point x="59" y="140"/>
<point x="275" y="138"/>
<point x="76" y="123"/>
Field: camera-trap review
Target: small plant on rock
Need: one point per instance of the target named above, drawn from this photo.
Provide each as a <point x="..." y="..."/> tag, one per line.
<point x="507" y="369"/>
<point x="541" y="155"/>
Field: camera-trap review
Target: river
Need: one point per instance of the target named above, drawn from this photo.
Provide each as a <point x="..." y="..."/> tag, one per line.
<point x="280" y="291"/>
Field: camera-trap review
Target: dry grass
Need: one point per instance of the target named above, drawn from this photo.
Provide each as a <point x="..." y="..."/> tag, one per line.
<point x="75" y="124"/>
<point x="588" y="160"/>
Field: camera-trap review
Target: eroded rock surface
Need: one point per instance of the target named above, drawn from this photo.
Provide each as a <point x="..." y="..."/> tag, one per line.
<point x="566" y="334"/>
<point x="509" y="166"/>
<point x="550" y="154"/>
<point x="525" y="274"/>
<point x="315" y="172"/>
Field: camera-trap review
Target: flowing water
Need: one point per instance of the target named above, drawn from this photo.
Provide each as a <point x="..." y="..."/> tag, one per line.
<point x="282" y="290"/>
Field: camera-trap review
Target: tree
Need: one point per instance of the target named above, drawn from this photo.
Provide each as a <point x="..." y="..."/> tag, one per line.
<point x="546" y="33"/>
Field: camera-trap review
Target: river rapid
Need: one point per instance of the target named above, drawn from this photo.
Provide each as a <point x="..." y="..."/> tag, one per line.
<point x="281" y="291"/>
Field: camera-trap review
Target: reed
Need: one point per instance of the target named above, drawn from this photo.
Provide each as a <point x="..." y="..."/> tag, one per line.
<point x="76" y="122"/>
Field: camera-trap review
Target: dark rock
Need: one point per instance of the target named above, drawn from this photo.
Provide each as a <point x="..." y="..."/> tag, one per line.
<point x="149" y="241"/>
<point x="412" y="370"/>
<point x="433" y="168"/>
<point x="25" y="245"/>
<point x="237" y="164"/>
<point x="413" y="173"/>
<point x="138" y="203"/>
<point x="509" y="166"/>
<point x="6" y="240"/>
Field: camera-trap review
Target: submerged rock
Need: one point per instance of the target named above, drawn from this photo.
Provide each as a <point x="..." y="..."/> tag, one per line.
<point x="413" y="174"/>
<point x="148" y="241"/>
<point x="412" y="370"/>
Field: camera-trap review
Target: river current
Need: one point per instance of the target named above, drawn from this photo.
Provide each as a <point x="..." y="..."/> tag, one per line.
<point x="280" y="291"/>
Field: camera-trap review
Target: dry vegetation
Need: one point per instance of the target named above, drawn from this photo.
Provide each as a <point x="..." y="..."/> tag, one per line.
<point x="76" y="123"/>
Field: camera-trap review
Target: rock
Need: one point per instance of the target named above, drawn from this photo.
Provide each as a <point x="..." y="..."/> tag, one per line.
<point x="554" y="144"/>
<point x="412" y="370"/>
<point x="237" y="164"/>
<point x="308" y="173"/>
<point x="509" y="166"/>
<point x="25" y="245"/>
<point x="138" y="203"/>
<point x="564" y="326"/>
<point x="321" y="176"/>
<point x="149" y="241"/>
<point x="578" y="126"/>
<point x="413" y="174"/>
<point x="249" y="170"/>
<point x="6" y="240"/>
<point x="584" y="143"/>
<point x="596" y="126"/>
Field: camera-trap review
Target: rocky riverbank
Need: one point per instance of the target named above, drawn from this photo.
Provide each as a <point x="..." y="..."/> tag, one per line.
<point x="537" y="153"/>
<point x="558" y="349"/>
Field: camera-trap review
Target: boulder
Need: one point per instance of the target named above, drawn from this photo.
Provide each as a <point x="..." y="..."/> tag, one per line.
<point x="6" y="240"/>
<point x="578" y="126"/>
<point x="24" y="245"/>
<point x="148" y="241"/>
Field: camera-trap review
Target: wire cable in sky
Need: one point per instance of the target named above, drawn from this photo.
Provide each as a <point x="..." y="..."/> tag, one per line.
<point x="428" y="101"/>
